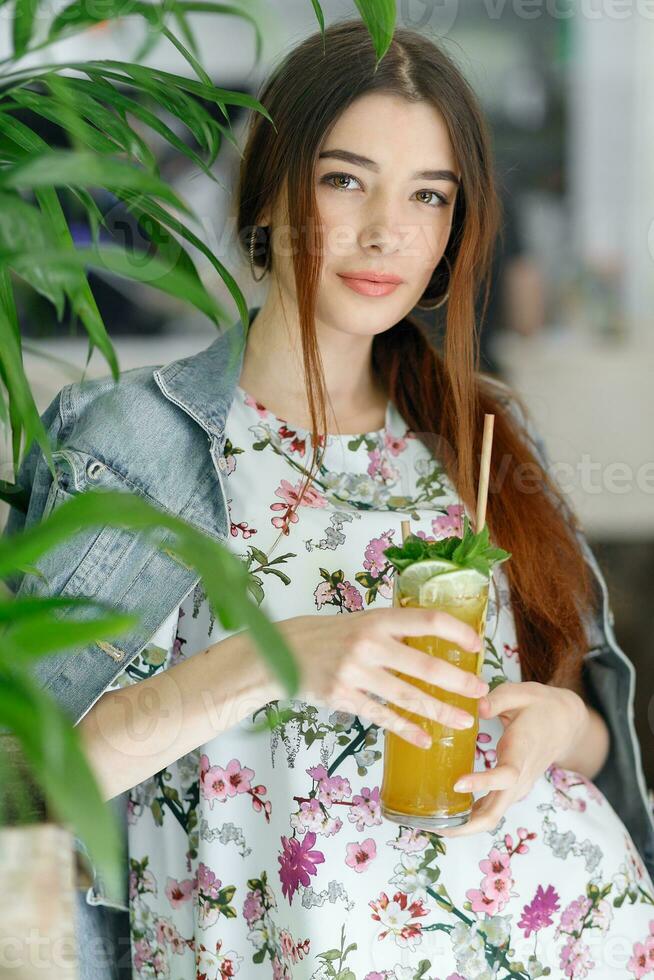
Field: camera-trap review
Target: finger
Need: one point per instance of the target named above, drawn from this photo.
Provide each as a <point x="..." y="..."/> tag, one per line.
<point x="379" y="714"/>
<point x="414" y="699"/>
<point x="412" y="621"/>
<point x="486" y="814"/>
<point x="433" y="670"/>
<point x="501" y="776"/>
<point x="508" y="696"/>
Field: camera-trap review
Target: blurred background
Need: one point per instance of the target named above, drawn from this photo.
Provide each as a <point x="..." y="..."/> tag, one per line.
<point x="569" y="93"/>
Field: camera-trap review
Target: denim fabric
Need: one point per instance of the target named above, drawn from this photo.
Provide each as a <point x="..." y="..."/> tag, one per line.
<point x="102" y="940"/>
<point x="125" y="436"/>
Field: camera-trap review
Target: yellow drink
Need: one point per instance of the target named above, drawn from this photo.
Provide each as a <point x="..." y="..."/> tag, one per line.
<point x="417" y="783"/>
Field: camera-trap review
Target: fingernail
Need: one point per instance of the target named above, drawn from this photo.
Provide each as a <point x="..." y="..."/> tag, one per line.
<point x="462" y="785"/>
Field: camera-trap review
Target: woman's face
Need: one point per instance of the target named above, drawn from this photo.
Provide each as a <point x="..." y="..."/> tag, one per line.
<point x="388" y="211"/>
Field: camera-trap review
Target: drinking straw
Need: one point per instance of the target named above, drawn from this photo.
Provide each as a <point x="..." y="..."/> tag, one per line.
<point x="484" y="477"/>
<point x="484" y="470"/>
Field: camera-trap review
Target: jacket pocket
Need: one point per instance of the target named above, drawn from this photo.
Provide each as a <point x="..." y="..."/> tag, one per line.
<point x="79" y="564"/>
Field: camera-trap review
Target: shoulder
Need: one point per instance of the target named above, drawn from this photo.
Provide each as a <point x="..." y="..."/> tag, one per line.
<point x="138" y="435"/>
<point x="119" y="417"/>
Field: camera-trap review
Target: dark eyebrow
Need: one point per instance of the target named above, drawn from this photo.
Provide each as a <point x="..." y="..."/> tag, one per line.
<point x="360" y="161"/>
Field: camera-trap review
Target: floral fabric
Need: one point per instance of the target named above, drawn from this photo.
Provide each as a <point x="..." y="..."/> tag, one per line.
<point x="265" y="854"/>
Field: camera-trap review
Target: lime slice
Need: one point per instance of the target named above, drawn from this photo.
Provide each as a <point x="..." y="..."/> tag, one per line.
<point x="413" y="576"/>
<point x="462" y="582"/>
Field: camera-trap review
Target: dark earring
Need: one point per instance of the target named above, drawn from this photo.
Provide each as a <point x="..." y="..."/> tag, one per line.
<point x="267" y="265"/>
<point x="433" y="302"/>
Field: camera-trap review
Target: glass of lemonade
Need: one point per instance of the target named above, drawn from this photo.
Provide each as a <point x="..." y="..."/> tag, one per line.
<point x="417" y="784"/>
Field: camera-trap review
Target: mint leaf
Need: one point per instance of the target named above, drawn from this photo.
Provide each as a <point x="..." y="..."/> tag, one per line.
<point x="469" y="551"/>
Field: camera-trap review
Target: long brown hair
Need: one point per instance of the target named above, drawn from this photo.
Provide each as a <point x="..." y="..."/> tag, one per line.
<point x="442" y="398"/>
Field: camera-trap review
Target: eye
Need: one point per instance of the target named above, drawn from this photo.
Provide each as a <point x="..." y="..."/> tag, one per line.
<point x="329" y="177"/>
<point x="441" y="200"/>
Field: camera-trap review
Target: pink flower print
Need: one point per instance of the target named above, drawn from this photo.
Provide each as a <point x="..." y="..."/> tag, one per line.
<point x="375" y="561"/>
<point x="298" y="863"/>
<point x="238" y="777"/>
<point x="206" y="881"/>
<point x="360" y="855"/>
<point x="143" y="953"/>
<point x="242" y="526"/>
<point x="496" y="863"/>
<point x="411" y="840"/>
<point x="330" y="788"/>
<point x="217" y="783"/>
<point x="394" y="444"/>
<point x="538" y="913"/>
<point x="253" y="908"/>
<point x="287" y="944"/>
<point x="317" y="772"/>
<point x="642" y="960"/>
<point x="291" y="495"/>
<point x="214" y="785"/>
<point x="344" y="596"/>
<point x="280" y="970"/>
<point x="510" y="652"/>
<point x="284" y="522"/>
<point x="450" y="523"/>
<point x="323" y="594"/>
<point x="166" y="932"/>
<point x="178" y="892"/>
<point x="497" y="887"/>
<point x="141" y="881"/>
<point x="573" y="915"/>
<point x="481" y="902"/>
<point x="351" y="596"/>
<point x="566" y="779"/>
<point x="575" y="959"/>
<point x="313" y="816"/>
<point x="396" y="914"/>
<point x="380" y="466"/>
<point x="366" y="808"/>
<point x="488" y="755"/>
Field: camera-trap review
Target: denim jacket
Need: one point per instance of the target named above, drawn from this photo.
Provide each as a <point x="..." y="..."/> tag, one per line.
<point x="131" y="436"/>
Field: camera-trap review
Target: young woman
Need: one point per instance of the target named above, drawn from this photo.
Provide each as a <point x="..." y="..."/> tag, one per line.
<point x="266" y="854"/>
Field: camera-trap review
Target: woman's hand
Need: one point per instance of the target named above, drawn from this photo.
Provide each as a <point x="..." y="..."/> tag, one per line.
<point x="349" y="662"/>
<point x="541" y="722"/>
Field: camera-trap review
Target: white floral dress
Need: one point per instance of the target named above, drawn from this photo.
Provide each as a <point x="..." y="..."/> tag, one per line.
<point x="265" y="854"/>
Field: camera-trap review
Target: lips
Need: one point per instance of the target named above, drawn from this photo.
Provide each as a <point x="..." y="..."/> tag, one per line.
<point x="369" y="287"/>
<point x="372" y="276"/>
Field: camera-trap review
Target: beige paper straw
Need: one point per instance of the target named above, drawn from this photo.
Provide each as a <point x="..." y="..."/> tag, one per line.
<point x="484" y="471"/>
<point x="484" y="477"/>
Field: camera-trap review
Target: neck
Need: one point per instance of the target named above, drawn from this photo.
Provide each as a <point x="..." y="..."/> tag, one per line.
<point x="273" y="372"/>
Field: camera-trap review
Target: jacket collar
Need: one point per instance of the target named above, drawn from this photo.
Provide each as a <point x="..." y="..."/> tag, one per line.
<point x="203" y="384"/>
